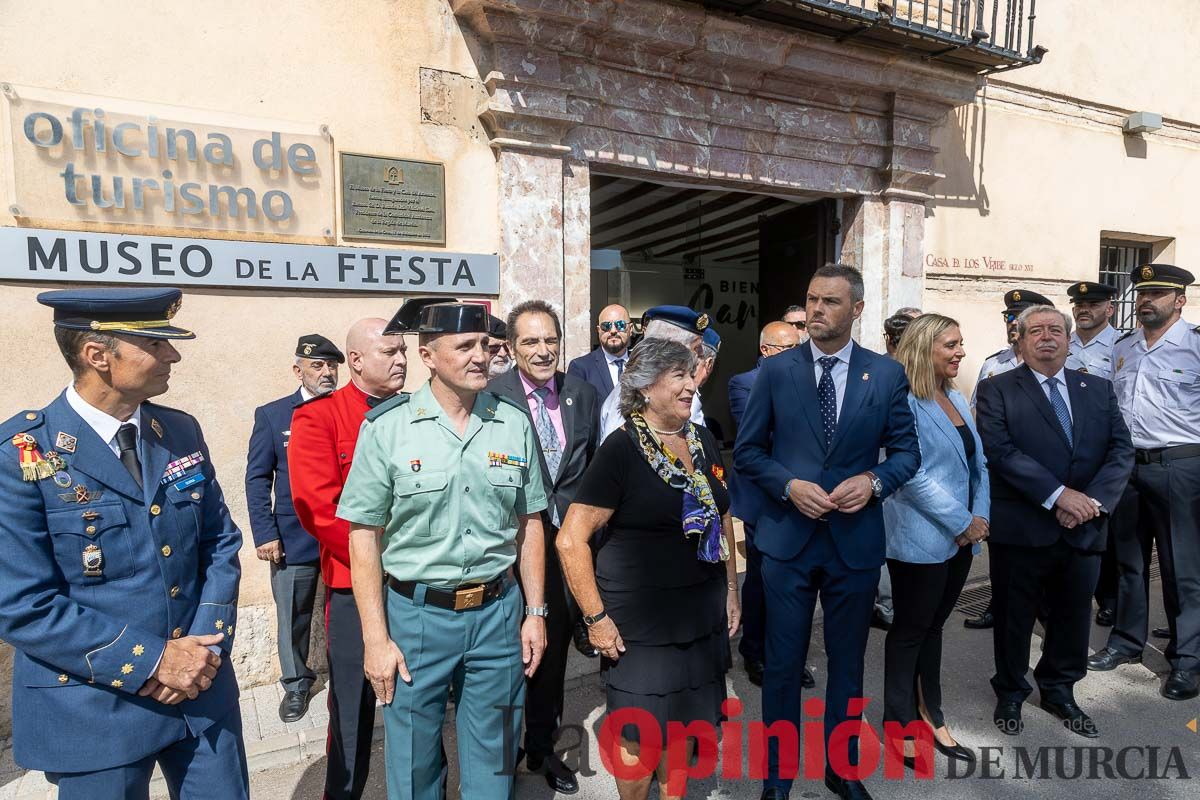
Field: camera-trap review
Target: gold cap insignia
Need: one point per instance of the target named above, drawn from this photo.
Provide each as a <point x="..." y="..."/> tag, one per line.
<point x="1083" y="288"/>
<point x="702" y="322"/>
<point x="174" y="308"/>
<point x="1016" y="297"/>
<point x="308" y="348"/>
<point x="1147" y="273"/>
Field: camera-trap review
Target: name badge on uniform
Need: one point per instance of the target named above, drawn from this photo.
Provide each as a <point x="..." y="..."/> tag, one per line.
<point x="190" y="480"/>
<point x="93" y="561"/>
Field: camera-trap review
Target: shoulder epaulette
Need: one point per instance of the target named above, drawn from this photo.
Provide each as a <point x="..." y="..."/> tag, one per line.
<point x="1196" y="329"/>
<point x="998" y="353"/>
<point x="1131" y="333"/>
<point x="19" y="423"/>
<point x="168" y="409"/>
<point x="394" y="401"/>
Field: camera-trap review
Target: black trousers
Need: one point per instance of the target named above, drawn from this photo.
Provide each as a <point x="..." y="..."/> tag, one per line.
<point x="1061" y="579"/>
<point x="351" y="700"/>
<point x="1161" y="507"/>
<point x="1109" y="580"/>
<point x="544" y="691"/>
<point x="923" y="595"/>
<point x="753" y="645"/>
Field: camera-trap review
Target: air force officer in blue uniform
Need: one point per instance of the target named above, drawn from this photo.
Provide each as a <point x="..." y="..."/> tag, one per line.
<point x="119" y="568"/>
<point x="810" y="439"/>
<point x="278" y="536"/>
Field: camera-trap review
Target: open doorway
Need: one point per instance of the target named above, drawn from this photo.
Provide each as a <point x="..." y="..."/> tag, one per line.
<point x="740" y="257"/>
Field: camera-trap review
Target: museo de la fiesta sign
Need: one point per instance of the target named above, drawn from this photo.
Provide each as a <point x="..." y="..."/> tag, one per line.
<point x="82" y="159"/>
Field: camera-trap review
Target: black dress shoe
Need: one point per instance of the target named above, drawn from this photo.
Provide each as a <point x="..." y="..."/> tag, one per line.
<point x="294" y="706"/>
<point x="754" y="671"/>
<point x="558" y="775"/>
<point x="847" y="790"/>
<point x="1182" y="684"/>
<point x="1161" y="633"/>
<point x="984" y="620"/>
<point x="956" y="752"/>
<point x="807" y="681"/>
<point x="773" y="793"/>
<point x="1007" y="717"/>
<point x="1073" y="717"/>
<point x="582" y="643"/>
<point x="1105" y="617"/>
<point x="1108" y="659"/>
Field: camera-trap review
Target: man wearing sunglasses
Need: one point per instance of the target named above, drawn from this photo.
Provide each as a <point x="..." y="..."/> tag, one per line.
<point x="500" y="358"/>
<point x="797" y="317"/>
<point x="603" y="366"/>
<point x="1015" y="301"/>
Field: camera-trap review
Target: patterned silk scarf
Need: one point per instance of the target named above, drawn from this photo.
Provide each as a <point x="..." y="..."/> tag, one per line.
<point x="700" y="515"/>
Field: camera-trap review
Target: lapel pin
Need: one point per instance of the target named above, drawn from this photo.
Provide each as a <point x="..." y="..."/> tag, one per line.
<point x="91" y="515"/>
<point x="62" y="479"/>
<point x="65" y="442"/>
<point x="1082" y="385"/>
<point x="154" y="426"/>
<point x="567" y="401"/>
<point x="93" y="561"/>
<point x="866" y="376"/>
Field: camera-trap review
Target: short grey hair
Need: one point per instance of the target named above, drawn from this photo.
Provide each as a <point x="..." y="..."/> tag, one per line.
<point x="707" y="352"/>
<point x="648" y="362"/>
<point x="909" y="311"/>
<point x="661" y="329"/>
<point x="1024" y="316"/>
<point x="847" y="273"/>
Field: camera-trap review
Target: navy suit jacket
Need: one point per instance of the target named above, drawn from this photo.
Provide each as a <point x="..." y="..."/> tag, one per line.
<point x="782" y="438"/>
<point x="1029" y="457"/>
<point x="165" y="565"/>
<point x="745" y="498"/>
<point x="267" y="470"/>
<point x="593" y="368"/>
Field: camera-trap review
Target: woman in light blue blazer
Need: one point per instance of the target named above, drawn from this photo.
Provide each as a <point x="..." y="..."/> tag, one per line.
<point x="934" y="524"/>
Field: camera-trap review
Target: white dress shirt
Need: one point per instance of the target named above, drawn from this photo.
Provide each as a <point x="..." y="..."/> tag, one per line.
<point x="104" y="425"/>
<point x="1159" y="388"/>
<point x="1095" y="357"/>
<point x="1066" y="396"/>
<point x="840" y="370"/>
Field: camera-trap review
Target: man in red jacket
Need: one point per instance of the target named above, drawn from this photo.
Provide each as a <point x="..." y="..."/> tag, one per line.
<point x="320" y="451"/>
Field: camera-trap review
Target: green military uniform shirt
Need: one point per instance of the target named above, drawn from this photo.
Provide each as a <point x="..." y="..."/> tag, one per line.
<point x="448" y="505"/>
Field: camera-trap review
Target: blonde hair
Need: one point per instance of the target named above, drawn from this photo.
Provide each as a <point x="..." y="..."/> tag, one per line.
<point x="915" y="353"/>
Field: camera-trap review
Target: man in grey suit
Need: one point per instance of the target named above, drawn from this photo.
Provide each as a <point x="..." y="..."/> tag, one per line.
<point x="566" y="421"/>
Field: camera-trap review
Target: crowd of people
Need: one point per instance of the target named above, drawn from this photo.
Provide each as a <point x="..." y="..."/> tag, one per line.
<point x="472" y="530"/>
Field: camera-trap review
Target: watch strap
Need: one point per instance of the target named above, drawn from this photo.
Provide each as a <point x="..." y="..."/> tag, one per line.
<point x="590" y="621"/>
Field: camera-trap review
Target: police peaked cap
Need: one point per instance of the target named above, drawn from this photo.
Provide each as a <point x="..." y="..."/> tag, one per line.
<point x="1090" y="292"/>
<point x="1021" y="299"/>
<point x="1161" y="276"/>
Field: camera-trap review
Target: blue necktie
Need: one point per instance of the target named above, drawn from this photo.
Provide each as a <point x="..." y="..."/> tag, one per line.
<point x="548" y="439"/>
<point x="620" y="364"/>
<point x="1060" y="408"/>
<point x="827" y="397"/>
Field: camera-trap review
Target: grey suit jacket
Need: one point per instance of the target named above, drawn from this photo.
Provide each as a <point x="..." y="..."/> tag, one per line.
<point x="581" y="422"/>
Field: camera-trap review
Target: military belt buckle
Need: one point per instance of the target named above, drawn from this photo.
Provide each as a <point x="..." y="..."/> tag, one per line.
<point x="471" y="597"/>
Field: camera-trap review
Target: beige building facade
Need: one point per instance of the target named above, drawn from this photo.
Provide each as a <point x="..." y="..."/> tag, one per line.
<point x="594" y="151"/>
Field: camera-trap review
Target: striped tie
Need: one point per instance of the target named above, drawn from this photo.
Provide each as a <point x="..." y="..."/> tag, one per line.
<point x="1060" y="408"/>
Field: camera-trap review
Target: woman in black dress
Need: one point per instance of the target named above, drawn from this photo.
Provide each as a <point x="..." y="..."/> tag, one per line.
<point x="662" y="600"/>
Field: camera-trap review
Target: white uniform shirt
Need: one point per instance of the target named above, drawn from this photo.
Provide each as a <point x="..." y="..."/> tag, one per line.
<point x="1095" y="357"/>
<point x="995" y="364"/>
<point x="1159" y="389"/>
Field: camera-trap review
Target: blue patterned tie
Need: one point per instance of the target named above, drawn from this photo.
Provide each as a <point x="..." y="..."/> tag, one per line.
<point x="827" y="397"/>
<point x="1060" y="408"/>
<point x="548" y="439"/>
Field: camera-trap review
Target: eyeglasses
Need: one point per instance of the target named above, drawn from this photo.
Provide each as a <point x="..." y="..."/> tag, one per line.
<point x="799" y="325"/>
<point x="1009" y="316"/>
<point x="619" y="324"/>
<point x="494" y="349"/>
<point x="779" y="346"/>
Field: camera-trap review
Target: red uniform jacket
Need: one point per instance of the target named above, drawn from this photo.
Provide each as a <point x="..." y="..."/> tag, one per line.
<point x="320" y="451"/>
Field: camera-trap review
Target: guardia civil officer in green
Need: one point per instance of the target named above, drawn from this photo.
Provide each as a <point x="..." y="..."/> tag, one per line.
<point x="444" y="497"/>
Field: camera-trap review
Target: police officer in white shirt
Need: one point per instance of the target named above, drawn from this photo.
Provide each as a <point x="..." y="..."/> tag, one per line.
<point x="1094" y="336"/>
<point x="1156" y="375"/>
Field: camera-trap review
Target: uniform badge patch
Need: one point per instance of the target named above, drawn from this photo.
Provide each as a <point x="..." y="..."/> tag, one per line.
<point x="154" y="426"/>
<point x="93" y="561"/>
<point x="33" y="466"/>
<point x="415" y="465"/>
<point x="65" y="442"/>
<point x="174" y="471"/>
<point x="1120" y="362"/>
<point x="79" y="494"/>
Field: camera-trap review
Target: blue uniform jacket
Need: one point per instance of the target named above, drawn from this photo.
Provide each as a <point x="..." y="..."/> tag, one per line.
<point x="782" y="437"/>
<point x="746" y="499"/>
<point x="925" y="515"/>
<point x="267" y="470"/>
<point x="85" y="643"/>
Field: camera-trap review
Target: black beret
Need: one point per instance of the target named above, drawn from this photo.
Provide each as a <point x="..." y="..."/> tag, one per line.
<point x="316" y="346"/>
<point x="497" y="328"/>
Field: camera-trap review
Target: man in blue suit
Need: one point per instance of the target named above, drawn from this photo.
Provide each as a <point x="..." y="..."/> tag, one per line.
<point x="119" y="568"/>
<point x="775" y="338"/>
<point x="1060" y="455"/>
<point x="278" y="535"/>
<point x="821" y="528"/>
<point x="603" y="366"/>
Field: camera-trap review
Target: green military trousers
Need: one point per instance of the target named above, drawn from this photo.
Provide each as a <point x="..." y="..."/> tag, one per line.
<point x="479" y="651"/>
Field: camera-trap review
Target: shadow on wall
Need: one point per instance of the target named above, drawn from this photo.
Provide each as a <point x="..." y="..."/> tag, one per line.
<point x="961" y="142"/>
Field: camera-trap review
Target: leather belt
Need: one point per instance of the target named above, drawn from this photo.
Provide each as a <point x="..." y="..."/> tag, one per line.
<point x="1161" y="455"/>
<point x="463" y="598"/>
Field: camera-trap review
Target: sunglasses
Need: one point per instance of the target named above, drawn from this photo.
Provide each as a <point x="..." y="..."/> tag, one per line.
<point x="494" y="349"/>
<point x="779" y="346"/>
<point x="619" y="324"/>
<point x="799" y="325"/>
<point x="1009" y="316"/>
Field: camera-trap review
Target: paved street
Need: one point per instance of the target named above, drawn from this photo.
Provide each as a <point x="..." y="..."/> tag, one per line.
<point x="1125" y="704"/>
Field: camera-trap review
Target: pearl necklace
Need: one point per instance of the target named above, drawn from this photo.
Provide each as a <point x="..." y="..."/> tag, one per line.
<point x="675" y="432"/>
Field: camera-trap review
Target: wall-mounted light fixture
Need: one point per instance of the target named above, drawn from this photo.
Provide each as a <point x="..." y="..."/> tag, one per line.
<point x="1142" y="122"/>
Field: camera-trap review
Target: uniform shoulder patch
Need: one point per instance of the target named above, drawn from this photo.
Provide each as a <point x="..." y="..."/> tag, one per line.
<point x="20" y="423"/>
<point x="387" y="405"/>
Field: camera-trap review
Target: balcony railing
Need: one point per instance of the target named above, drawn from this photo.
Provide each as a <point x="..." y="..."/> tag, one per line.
<point x="984" y="35"/>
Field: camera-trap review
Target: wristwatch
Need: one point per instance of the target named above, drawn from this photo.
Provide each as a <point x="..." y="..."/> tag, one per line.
<point x="876" y="485"/>
<point x="590" y="621"/>
<point x="537" y="611"/>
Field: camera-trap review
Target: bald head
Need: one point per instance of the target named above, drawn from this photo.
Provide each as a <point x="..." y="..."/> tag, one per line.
<point x="378" y="364"/>
<point x="777" y="337"/>
<point x="614" y="327"/>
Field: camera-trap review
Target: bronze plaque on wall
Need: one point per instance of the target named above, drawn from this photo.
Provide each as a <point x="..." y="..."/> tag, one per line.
<point x="393" y="199"/>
